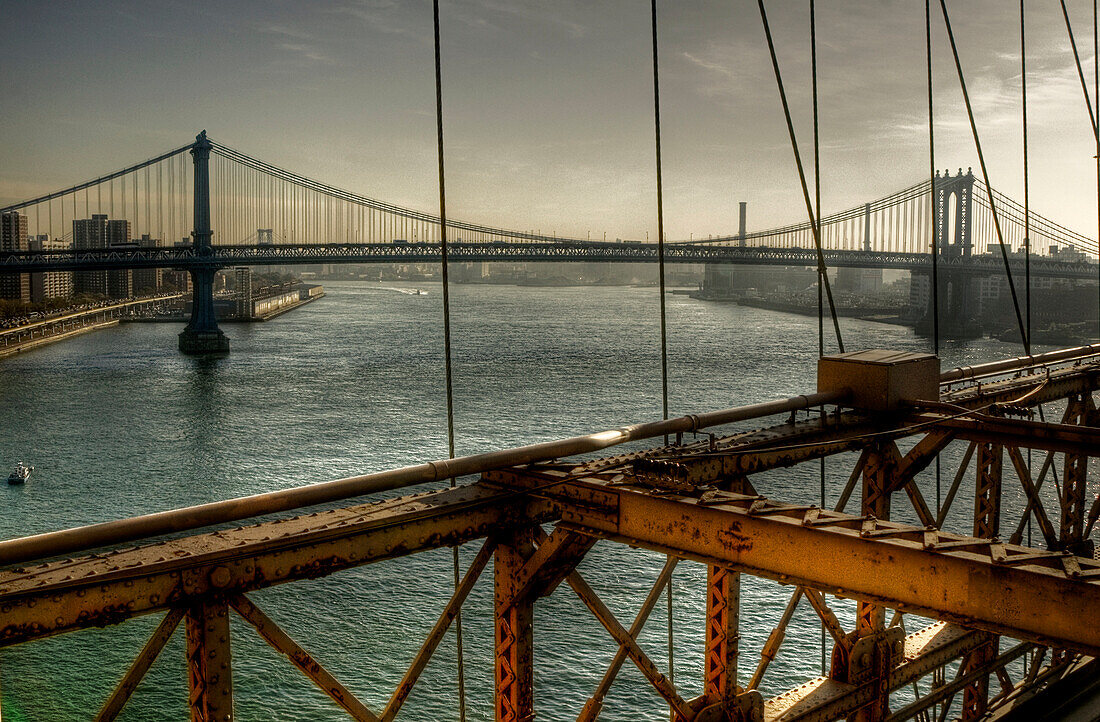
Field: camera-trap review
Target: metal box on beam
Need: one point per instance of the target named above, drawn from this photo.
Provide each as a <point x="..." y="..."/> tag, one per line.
<point x="880" y="380"/>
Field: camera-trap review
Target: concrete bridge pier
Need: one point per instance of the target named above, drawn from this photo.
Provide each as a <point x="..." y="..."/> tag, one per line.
<point x="202" y="336"/>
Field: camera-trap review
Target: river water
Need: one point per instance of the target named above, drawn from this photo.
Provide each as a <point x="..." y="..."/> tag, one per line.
<point x="118" y="423"/>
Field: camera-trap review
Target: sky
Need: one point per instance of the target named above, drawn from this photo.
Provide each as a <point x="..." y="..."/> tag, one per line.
<point x="548" y="106"/>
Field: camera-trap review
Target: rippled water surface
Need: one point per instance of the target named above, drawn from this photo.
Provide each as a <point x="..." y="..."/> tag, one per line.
<point x="119" y="423"/>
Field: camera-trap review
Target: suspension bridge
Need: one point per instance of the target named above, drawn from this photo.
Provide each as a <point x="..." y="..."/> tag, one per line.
<point x="248" y="212"/>
<point x="1003" y="626"/>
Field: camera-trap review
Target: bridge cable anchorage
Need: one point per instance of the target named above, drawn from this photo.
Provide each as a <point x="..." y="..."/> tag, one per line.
<point x="661" y="290"/>
<point x="447" y="339"/>
<point x="985" y="174"/>
<point x="801" y="175"/>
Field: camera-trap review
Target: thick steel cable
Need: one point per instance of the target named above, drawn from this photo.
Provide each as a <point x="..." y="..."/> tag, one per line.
<point x="1027" y="205"/>
<point x="447" y="337"/>
<point x="801" y="174"/>
<point x="817" y="193"/>
<point x="661" y="285"/>
<point x="932" y="226"/>
<point x="932" y="179"/>
<point x="985" y="175"/>
<point x="817" y="212"/>
<point x="1080" y="70"/>
<point x="1096" y="99"/>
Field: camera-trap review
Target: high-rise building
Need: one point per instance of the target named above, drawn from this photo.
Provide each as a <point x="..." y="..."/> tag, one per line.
<point x="99" y="232"/>
<point x="243" y="276"/>
<point x="90" y="234"/>
<point x="148" y="280"/>
<point x="13" y="237"/>
<point x="51" y="284"/>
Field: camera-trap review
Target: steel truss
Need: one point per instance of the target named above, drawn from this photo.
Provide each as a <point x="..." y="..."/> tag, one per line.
<point x="186" y="257"/>
<point x="697" y="501"/>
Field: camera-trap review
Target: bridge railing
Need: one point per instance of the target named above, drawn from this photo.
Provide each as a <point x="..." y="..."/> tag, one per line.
<point x="695" y="500"/>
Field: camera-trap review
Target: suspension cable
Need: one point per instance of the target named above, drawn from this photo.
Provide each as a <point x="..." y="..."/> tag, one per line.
<point x="817" y="221"/>
<point x="1027" y="206"/>
<point x="817" y="194"/>
<point x="661" y="284"/>
<point x="985" y="175"/>
<point x="1080" y="70"/>
<point x="933" y="227"/>
<point x="801" y="175"/>
<point x="447" y="336"/>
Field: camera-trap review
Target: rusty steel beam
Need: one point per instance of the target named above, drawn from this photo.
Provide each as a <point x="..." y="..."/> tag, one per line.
<point x="926" y="651"/>
<point x="1065" y="438"/>
<point x="641" y="660"/>
<point x="513" y="622"/>
<point x="1035" y="503"/>
<point x="105" y="589"/>
<point x="300" y="658"/>
<point x="69" y="541"/>
<point x="722" y="635"/>
<point x="118" y="699"/>
<point x="209" y="662"/>
<point x="427" y="649"/>
<point x="592" y="707"/>
<point x="1030" y="391"/>
<point x="553" y="560"/>
<point x="1047" y="598"/>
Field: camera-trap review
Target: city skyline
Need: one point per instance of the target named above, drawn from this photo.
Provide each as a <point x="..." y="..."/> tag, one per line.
<point x="548" y="111"/>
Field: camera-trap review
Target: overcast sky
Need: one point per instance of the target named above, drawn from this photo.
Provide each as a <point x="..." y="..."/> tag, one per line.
<point x="548" y="106"/>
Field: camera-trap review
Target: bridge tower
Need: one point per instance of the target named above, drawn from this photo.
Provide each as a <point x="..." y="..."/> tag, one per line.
<point x="952" y="241"/>
<point x="202" y="336"/>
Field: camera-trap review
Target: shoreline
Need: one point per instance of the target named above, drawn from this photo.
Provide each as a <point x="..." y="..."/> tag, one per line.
<point x="45" y="341"/>
<point x="255" y="319"/>
<point x="876" y="315"/>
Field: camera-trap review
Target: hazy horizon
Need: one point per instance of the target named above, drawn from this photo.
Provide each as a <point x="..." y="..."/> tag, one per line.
<point x="548" y="107"/>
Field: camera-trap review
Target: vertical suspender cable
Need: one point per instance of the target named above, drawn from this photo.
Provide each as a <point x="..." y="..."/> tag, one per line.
<point x="1096" y="99"/>
<point x="447" y="335"/>
<point x="817" y="197"/>
<point x="801" y="174"/>
<point x="661" y="289"/>
<point x="1027" y="213"/>
<point x="817" y="212"/>
<point x="985" y="176"/>
<point x="933" y="226"/>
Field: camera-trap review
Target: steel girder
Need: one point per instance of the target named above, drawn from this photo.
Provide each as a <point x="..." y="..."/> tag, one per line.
<point x="1044" y="597"/>
<point x="108" y="588"/>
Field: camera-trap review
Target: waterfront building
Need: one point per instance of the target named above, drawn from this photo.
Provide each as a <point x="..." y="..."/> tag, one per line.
<point x="13" y="237"/>
<point x="99" y="232"/>
<point x="51" y="284"/>
<point x="148" y="280"/>
<point x="243" y="277"/>
<point x="88" y="234"/>
<point x="120" y="281"/>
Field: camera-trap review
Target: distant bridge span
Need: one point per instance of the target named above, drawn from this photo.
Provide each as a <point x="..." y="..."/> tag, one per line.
<point x="187" y="257"/>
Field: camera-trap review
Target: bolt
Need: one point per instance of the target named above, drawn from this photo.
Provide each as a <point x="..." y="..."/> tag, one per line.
<point x="220" y="577"/>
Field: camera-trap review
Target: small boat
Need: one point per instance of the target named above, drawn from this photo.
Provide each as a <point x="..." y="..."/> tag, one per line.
<point x="420" y="292"/>
<point x="20" y="474"/>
